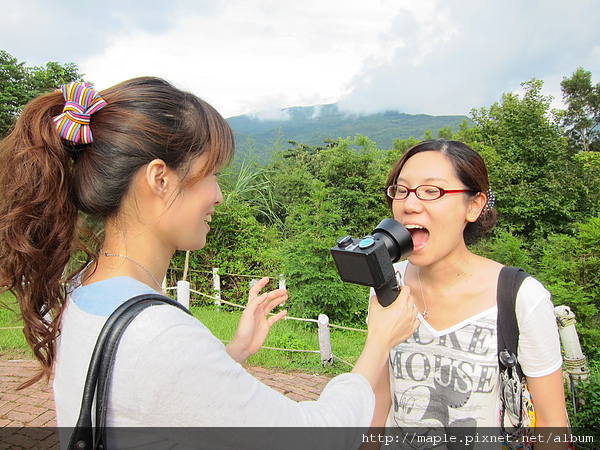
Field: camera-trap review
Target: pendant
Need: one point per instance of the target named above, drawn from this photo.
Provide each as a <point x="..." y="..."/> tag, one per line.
<point x="425" y="313"/>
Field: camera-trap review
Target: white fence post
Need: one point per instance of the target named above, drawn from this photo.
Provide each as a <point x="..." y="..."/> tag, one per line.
<point x="282" y="285"/>
<point x="281" y="281"/>
<point x="183" y="293"/>
<point x="575" y="360"/>
<point x="325" y="341"/>
<point x="186" y="265"/>
<point x="217" y="286"/>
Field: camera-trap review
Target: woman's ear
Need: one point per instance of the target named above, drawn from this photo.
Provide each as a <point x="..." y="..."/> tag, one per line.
<point x="476" y="206"/>
<point x="160" y="179"/>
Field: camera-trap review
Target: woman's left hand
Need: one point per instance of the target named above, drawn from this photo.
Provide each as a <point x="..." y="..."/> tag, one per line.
<point x="255" y="323"/>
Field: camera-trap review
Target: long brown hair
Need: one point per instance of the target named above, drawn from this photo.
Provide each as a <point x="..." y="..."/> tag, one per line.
<point x="45" y="182"/>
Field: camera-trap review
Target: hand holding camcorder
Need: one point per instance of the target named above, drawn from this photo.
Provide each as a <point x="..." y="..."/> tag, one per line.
<point x="368" y="261"/>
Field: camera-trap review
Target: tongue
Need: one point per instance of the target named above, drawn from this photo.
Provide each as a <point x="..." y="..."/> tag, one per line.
<point x="419" y="237"/>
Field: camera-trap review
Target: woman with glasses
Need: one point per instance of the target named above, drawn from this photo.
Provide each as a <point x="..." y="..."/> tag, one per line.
<point x="446" y="374"/>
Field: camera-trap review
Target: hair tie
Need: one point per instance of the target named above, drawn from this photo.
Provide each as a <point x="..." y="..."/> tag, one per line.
<point x="491" y="200"/>
<point x="73" y="124"/>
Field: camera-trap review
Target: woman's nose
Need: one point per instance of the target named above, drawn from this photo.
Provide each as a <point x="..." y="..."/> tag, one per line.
<point x="412" y="203"/>
<point x="219" y="198"/>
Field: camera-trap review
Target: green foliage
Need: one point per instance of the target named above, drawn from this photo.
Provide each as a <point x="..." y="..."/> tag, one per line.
<point x="290" y="341"/>
<point x="248" y="183"/>
<point x="588" y="394"/>
<point x="507" y="249"/>
<point x="19" y="84"/>
<point x="329" y="192"/>
<point x="582" y="117"/>
<point x="570" y="269"/>
<point x="532" y="171"/>
<point x="401" y="145"/>
<point x="587" y="171"/>
<point x="314" y="284"/>
<point x="292" y="176"/>
<point x="238" y="245"/>
<point x="356" y="179"/>
<point x="309" y="196"/>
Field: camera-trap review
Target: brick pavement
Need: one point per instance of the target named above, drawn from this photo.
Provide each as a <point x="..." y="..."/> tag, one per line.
<point x="34" y="406"/>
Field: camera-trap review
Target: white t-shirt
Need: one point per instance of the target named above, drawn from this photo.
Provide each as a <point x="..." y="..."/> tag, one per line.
<point x="170" y="371"/>
<point x="449" y="378"/>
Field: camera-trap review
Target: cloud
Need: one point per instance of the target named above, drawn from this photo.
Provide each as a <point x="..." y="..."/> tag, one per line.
<point x="247" y="56"/>
<point x="253" y="55"/>
<point x="275" y="114"/>
<point x="465" y="54"/>
<point x="38" y="31"/>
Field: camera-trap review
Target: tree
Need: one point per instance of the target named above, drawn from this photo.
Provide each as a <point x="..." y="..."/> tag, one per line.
<point x="356" y="181"/>
<point x="582" y="117"/>
<point x="19" y="84"/>
<point x="314" y="284"/>
<point x="570" y="269"/>
<point x="532" y="172"/>
<point x="292" y="177"/>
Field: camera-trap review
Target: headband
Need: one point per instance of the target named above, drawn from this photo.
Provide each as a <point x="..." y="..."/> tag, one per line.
<point x="81" y="101"/>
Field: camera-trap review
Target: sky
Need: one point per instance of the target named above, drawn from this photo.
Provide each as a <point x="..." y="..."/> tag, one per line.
<point x="438" y="57"/>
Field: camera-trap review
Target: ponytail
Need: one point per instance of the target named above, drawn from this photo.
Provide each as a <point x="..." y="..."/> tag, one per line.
<point x="37" y="223"/>
<point x="45" y="181"/>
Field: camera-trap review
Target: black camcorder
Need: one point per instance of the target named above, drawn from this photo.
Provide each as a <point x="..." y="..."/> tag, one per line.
<point x="368" y="261"/>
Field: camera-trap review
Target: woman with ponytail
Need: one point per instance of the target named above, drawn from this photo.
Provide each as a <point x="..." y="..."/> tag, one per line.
<point x="142" y="158"/>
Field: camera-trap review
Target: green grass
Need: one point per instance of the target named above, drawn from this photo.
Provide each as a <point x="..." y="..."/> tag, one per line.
<point x="12" y="341"/>
<point x="289" y="334"/>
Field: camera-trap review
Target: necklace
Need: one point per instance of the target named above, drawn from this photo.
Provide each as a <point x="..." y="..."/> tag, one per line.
<point x="135" y="262"/>
<point x="426" y="310"/>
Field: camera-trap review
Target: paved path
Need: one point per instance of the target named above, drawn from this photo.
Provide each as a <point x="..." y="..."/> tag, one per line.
<point x="34" y="406"/>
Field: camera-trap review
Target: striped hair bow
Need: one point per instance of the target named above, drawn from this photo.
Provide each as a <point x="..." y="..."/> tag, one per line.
<point x="73" y="124"/>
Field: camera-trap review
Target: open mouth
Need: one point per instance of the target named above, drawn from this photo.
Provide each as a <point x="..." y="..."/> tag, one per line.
<point x="419" y="234"/>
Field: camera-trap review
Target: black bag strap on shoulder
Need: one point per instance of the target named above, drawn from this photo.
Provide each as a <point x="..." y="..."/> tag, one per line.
<point x="97" y="382"/>
<point x="509" y="282"/>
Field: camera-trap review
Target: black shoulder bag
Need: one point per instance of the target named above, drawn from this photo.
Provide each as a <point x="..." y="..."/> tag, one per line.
<point x="513" y="386"/>
<point x="99" y="374"/>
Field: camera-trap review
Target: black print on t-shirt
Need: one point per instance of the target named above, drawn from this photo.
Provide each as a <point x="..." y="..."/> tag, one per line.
<point x="445" y="375"/>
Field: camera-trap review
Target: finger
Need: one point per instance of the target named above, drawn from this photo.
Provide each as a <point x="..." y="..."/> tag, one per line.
<point x="277" y="317"/>
<point x="404" y="295"/>
<point x="406" y="302"/>
<point x="268" y="301"/>
<point x="276" y="295"/>
<point x="416" y="323"/>
<point x="258" y="286"/>
<point x="276" y="301"/>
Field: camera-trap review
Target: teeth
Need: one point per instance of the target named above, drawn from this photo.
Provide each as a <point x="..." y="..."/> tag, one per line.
<point x="413" y="227"/>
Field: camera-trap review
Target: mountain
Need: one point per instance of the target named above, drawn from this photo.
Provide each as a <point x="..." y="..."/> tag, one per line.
<point x="312" y="125"/>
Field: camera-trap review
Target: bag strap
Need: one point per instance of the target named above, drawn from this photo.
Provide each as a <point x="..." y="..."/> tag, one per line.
<point x="99" y="373"/>
<point x="509" y="282"/>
